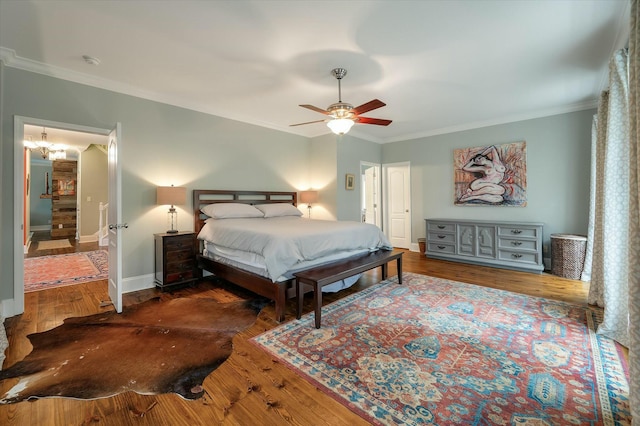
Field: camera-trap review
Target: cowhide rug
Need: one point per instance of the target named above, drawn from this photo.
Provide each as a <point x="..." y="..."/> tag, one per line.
<point x="150" y="348"/>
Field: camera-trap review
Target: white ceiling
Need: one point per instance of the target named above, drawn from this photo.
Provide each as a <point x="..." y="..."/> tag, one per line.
<point x="440" y="66"/>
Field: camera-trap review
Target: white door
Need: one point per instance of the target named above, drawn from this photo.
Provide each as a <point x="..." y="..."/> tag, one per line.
<point x="115" y="217"/>
<point x="371" y="196"/>
<point x="398" y="204"/>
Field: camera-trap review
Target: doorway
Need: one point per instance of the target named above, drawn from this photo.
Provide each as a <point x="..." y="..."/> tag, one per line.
<point x="397" y="203"/>
<point x="66" y="186"/>
<point x="21" y="208"/>
<point x="370" y="198"/>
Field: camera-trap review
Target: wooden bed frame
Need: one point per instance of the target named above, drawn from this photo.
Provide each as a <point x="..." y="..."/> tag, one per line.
<point x="278" y="291"/>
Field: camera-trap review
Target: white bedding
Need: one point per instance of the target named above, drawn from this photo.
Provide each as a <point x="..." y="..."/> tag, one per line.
<point x="284" y="243"/>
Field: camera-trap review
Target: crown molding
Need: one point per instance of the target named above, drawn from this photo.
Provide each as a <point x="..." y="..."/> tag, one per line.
<point x="502" y="120"/>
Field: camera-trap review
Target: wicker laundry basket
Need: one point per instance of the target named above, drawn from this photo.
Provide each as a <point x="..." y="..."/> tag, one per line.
<point x="422" y="245"/>
<point x="567" y="255"/>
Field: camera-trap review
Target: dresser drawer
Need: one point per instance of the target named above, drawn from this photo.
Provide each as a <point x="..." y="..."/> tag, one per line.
<point x="517" y="231"/>
<point x="441" y="237"/>
<point x="434" y="247"/>
<point x="517" y="244"/>
<point x="518" y="256"/>
<point x="441" y="226"/>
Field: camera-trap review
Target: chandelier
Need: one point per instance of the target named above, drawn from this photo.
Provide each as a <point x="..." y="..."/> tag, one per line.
<point x="47" y="149"/>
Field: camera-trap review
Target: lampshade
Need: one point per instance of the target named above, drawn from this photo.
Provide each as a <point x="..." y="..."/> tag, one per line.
<point x="171" y="195"/>
<point x="308" y="197"/>
<point x="340" y="126"/>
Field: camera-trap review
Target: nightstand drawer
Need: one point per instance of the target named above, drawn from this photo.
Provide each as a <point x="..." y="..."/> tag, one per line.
<point x="178" y="243"/>
<point x="184" y="265"/>
<point x="178" y="255"/>
<point x="178" y="277"/>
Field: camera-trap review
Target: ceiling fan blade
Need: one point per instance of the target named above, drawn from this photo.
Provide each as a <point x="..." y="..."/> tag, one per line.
<point x="378" y="121"/>
<point x="316" y="109"/>
<point x="308" y="122"/>
<point x="369" y="106"/>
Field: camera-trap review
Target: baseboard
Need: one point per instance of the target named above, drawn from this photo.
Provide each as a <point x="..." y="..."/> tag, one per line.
<point x="141" y="282"/>
<point x="88" y="239"/>
<point x="8" y="308"/>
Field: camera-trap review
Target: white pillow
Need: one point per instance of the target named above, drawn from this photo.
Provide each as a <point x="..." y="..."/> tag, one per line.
<point x="278" y="209"/>
<point x="231" y="210"/>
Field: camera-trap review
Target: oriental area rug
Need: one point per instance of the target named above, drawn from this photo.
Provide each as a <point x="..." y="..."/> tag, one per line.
<point x="65" y="269"/>
<point x="150" y="348"/>
<point x="442" y="352"/>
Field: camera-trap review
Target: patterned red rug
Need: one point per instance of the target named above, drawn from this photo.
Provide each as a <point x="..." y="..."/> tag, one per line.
<point x="74" y="268"/>
<point x="444" y="352"/>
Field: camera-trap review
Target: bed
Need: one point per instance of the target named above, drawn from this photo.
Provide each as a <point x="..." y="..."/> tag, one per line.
<point x="264" y="260"/>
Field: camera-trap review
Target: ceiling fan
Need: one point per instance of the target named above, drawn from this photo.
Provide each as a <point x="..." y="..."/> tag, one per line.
<point x="344" y="115"/>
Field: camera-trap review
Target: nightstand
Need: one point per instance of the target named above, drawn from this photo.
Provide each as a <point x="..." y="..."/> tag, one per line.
<point x="175" y="259"/>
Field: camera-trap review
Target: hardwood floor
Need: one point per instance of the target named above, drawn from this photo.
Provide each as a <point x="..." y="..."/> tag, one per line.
<point x="76" y="247"/>
<point x="249" y="388"/>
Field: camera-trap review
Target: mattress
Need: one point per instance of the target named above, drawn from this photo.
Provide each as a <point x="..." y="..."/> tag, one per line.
<point x="255" y="264"/>
<point x="277" y="247"/>
<point x="283" y="244"/>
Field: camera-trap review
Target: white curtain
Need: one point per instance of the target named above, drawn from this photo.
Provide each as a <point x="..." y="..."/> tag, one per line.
<point x="613" y="248"/>
<point x="634" y="213"/>
<point x="609" y="231"/>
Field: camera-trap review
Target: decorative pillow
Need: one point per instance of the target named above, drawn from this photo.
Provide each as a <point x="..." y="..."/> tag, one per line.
<point x="278" y="209"/>
<point x="231" y="210"/>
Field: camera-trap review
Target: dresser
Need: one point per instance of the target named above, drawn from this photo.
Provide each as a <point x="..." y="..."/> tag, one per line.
<point x="175" y="259"/>
<point x="511" y="245"/>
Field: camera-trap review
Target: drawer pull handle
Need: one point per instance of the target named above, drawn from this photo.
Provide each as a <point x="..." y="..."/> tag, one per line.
<point x="516" y="231"/>
<point x="516" y="255"/>
<point x="516" y="243"/>
<point x="441" y="226"/>
<point x="442" y="247"/>
<point x="442" y="236"/>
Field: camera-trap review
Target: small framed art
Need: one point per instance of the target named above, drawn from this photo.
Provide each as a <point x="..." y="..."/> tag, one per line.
<point x="349" y="181"/>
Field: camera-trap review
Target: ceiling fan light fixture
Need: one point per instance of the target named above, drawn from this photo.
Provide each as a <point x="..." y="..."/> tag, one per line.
<point x="340" y="126"/>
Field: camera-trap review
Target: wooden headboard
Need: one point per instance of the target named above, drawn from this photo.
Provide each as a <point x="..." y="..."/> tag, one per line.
<point x="202" y="197"/>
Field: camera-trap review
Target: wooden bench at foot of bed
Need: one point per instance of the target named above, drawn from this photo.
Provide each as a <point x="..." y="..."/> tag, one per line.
<point x="328" y="274"/>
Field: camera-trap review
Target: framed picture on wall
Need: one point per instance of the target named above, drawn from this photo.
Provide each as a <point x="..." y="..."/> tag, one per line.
<point x="349" y="181"/>
<point x="494" y="175"/>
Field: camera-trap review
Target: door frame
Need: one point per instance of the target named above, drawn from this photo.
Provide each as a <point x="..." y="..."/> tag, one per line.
<point x="18" y="195"/>
<point x="386" y="203"/>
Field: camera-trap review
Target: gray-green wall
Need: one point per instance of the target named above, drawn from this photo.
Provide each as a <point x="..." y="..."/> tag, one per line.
<point x="40" y="208"/>
<point x="558" y="169"/>
<point x="94" y="189"/>
<point x="161" y="145"/>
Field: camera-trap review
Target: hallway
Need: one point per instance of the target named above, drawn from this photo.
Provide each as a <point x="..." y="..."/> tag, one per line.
<point x="46" y="235"/>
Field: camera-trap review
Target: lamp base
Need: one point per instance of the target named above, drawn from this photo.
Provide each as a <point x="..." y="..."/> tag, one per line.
<point x="172" y="231"/>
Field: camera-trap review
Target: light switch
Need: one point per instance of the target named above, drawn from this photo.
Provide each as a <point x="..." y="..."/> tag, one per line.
<point x="89" y="198"/>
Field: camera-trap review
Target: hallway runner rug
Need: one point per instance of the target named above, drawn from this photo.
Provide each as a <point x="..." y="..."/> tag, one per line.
<point x="74" y="268"/>
<point x="434" y="351"/>
<point x="53" y="244"/>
